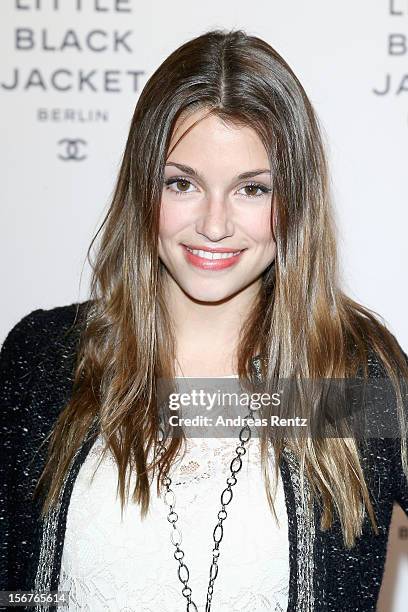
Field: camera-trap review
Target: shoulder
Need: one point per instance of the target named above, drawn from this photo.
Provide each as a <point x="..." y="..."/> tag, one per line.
<point x="396" y="354"/>
<point x="45" y="325"/>
<point x="41" y="328"/>
<point x="385" y="451"/>
<point x="35" y="341"/>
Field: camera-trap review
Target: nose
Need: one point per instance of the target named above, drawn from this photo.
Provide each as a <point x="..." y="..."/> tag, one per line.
<point x="215" y="222"/>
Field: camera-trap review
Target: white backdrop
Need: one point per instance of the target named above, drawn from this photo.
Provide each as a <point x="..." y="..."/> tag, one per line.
<point x="70" y="74"/>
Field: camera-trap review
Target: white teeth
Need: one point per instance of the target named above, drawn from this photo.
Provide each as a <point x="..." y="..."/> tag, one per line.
<point x="209" y="255"/>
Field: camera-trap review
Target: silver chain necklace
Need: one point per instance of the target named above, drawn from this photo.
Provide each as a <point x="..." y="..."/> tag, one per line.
<point x="226" y="497"/>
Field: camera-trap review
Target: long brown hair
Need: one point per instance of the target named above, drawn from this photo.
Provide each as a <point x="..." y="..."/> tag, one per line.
<point x="302" y="322"/>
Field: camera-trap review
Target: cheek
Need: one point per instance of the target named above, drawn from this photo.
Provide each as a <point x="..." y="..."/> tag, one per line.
<point x="172" y="220"/>
<point x="258" y="226"/>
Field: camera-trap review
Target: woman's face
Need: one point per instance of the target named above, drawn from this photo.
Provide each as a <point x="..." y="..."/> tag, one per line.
<point x="207" y="206"/>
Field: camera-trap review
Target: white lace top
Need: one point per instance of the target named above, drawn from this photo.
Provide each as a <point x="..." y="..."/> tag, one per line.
<point x="114" y="566"/>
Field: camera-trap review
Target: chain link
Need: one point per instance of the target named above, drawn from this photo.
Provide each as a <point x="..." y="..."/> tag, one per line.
<point x="226" y="498"/>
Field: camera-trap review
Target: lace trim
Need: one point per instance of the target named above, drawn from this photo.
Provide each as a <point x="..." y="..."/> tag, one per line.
<point x="86" y="564"/>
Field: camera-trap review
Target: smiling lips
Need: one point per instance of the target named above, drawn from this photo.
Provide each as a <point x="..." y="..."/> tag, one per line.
<point x="211" y="259"/>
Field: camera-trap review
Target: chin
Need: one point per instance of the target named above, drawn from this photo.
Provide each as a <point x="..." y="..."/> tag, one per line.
<point x="213" y="294"/>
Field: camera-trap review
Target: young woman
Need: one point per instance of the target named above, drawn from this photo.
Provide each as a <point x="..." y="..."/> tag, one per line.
<point x="217" y="258"/>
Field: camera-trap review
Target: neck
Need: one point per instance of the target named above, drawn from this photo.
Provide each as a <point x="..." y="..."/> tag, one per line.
<point x="207" y="333"/>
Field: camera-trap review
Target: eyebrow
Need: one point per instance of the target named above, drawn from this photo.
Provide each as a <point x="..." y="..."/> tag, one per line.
<point x="244" y="175"/>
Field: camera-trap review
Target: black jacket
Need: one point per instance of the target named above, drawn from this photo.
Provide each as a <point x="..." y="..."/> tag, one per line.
<point x="36" y="368"/>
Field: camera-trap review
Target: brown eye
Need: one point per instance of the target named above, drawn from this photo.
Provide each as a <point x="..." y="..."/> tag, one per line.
<point x="182" y="184"/>
<point x="251" y="190"/>
<point x="255" y="190"/>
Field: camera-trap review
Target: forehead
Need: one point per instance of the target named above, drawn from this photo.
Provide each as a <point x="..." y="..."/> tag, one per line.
<point x="198" y="132"/>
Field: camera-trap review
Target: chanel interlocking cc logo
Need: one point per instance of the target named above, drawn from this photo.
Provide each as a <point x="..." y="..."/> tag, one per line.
<point x="72" y="149"/>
